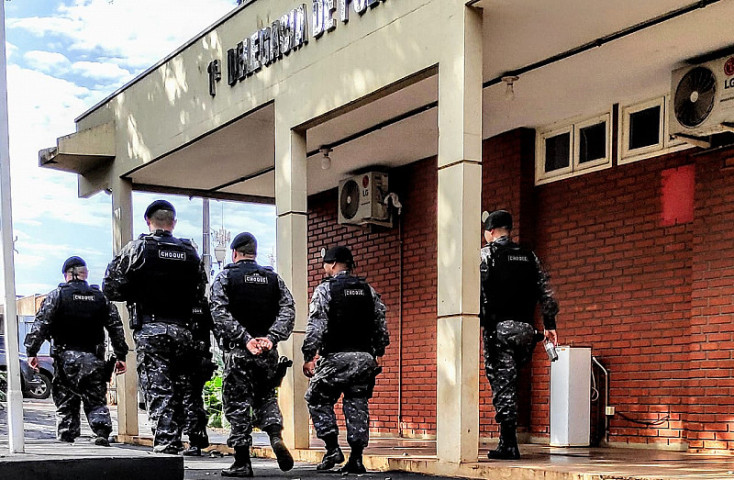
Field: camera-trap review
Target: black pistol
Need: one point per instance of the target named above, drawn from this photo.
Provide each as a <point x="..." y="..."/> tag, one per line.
<point x="109" y="367"/>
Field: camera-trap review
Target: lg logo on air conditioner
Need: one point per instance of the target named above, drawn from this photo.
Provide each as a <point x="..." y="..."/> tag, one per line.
<point x="729" y="71"/>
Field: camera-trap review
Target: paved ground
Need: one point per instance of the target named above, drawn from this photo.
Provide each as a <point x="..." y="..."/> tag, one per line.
<point x="41" y="445"/>
<point x="206" y="468"/>
<point x="539" y="462"/>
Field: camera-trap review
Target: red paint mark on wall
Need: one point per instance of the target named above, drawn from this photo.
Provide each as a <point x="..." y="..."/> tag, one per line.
<point x="678" y="186"/>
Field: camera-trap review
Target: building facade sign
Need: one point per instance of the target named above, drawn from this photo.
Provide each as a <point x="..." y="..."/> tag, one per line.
<point x="284" y="35"/>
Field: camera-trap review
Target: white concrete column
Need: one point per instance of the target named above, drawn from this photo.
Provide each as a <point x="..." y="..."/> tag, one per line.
<point x="127" y="384"/>
<point x="459" y="230"/>
<point x="292" y="258"/>
<point x="16" y="440"/>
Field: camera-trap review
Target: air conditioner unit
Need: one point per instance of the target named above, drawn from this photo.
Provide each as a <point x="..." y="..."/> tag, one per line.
<point x="362" y="200"/>
<point x="702" y="99"/>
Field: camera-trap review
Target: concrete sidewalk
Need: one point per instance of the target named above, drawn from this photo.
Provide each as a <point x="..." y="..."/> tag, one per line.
<point x="51" y="460"/>
<point x="383" y="454"/>
<point x="540" y="463"/>
<point x="47" y="459"/>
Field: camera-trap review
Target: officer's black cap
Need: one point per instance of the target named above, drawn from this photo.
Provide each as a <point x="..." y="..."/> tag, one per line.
<point x="72" y="262"/>
<point x="498" y="219"/>
<point x="158" y="205"/>
<point x="245" y="242"/>
<point x="339" y="254"/>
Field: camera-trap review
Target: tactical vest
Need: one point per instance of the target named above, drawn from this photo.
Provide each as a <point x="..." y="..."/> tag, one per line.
<point x="254" y="296"/>
<point x="166" y="283"/>
<point x="351" y="324"/>
<point x="80" y="317"/>
<point x="511" y="285"/>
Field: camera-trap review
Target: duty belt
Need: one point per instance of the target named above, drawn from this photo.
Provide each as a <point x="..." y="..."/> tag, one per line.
<point x="96" y="350"/>
<point x="145" y="319"/>
<point x="346" y="350"/>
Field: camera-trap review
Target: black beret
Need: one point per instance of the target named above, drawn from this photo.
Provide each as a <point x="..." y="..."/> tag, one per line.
<point x="498" y="219"/>
<point x="158" y="205"/>
<point x="72" y="262"/>
<point x="245" y="241"/>
<point x="339" y="254"/>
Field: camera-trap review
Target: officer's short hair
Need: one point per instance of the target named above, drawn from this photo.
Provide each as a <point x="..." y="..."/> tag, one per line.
<point x="163" y="217"/>
<point x="245" y="251"/>
<point x="76" y="271"/>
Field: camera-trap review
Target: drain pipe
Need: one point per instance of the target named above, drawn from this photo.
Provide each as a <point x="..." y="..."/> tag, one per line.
<point x="606" y="398"/>
<point x="394" y="200"/>
<point x="400" y="326"/>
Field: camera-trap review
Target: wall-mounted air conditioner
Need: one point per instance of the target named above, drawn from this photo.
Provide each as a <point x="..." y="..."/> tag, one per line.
<point x="702" y="99"/>
<point x="362" y="200"/>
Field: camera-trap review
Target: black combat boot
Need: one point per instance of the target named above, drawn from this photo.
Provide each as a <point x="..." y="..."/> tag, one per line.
<point x="100" y="440"/>
<point x="196" y="444"/>
<point x="354" y="465"/>
<point x="241" y="466"/>
<point x="285" y="460"/>
<point x="333" y="453"/>
<point x="507" y="448"/>
<point x="169" y="449"/>
<point x="192" y="451"/>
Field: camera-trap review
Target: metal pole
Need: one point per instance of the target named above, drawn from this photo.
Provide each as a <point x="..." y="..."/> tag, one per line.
<point x="15" y="396"/>
<point x="207" y="242"/>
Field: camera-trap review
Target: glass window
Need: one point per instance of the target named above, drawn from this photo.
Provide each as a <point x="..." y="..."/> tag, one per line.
<point x="573" y="149"/>
<point x="593" y="142"/>
<point x="644" y="128"/>
<point x="557" y="152"/>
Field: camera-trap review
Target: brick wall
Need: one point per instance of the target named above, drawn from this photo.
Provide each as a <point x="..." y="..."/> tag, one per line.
<point x="709" y="399"/>
<point x="653" y="299"/>
<point x="624" y="284"/>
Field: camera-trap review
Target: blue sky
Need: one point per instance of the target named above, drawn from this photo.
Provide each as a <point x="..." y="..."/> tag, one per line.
<point x="64" y="57"/>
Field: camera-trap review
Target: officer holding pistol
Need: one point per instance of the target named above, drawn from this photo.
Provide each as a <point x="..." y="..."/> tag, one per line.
<point x="347" y="328"/>
<point x="161" y="278"/>
<point x="513" y="282"/>
<point x="253" y="310"/>
<point x="75" y="317"/>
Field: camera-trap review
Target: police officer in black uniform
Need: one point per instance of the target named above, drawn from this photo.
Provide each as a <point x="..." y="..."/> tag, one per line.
<point x="253" y="310"/>
<point x="74" y="317"/>
<point x="161" y="278"/>
<point x="513" y="282"/>
<point x="347" y="328"/>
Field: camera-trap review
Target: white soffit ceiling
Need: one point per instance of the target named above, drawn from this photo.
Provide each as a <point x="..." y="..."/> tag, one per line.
<point x="243" y="147"/>
<point x="626" y="70"/>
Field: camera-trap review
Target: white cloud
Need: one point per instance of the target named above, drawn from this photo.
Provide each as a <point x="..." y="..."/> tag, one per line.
<point x="48" y="62"/>
<point x="101" y="71"/>
<point x="41" y="108"/>
<point x="10" y="50"/>
<point x="139" y="31"/>
<point x="35" y="287"/>
<point x="95" y="45"/>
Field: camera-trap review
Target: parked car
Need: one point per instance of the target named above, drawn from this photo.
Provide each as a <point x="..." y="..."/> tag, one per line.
<point x="33" y="384"/>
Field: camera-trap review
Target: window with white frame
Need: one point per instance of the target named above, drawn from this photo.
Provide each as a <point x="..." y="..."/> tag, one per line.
<point x="643" y="131"/>
<point x="574" y="149"/>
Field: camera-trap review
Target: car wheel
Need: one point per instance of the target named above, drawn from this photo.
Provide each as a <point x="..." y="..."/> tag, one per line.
<point x="39" y="389"/>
